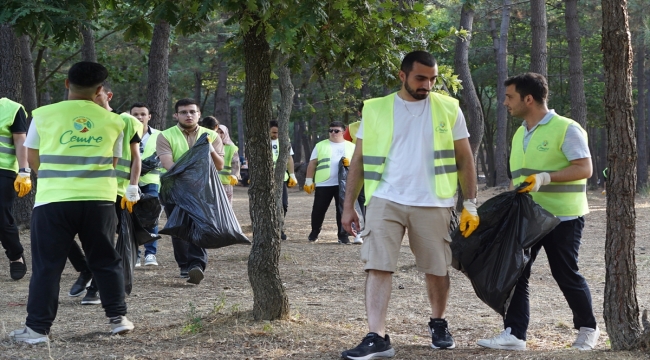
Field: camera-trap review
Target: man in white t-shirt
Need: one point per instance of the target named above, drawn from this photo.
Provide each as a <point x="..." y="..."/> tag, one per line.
<point x="323" y="172"/>
<point x="290" y="177"/>
<point x="412" y="148"/>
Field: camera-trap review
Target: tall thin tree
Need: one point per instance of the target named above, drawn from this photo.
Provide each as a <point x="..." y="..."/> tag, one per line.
<point x="641" y="126"/>
<point x="576" y="76"/>
<point x="501" y="50"/>
<point x="158" y="79"/>
<point x="539" y="30"/>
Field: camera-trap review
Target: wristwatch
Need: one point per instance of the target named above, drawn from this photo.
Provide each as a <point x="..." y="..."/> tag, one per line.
<point x="25" y="170"/>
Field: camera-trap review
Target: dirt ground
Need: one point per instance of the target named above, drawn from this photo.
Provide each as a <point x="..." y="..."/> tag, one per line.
<point x="324" y="282"/>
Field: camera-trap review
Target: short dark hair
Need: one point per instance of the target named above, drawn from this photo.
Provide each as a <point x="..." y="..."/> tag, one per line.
<point x="140" y="104"/>
<point x="422" y="57"/>
<point x="337" y="124"/>
<point x="273" y="123"/>
<point x="107" y="86"/>
<point x="530" y="83"/>
<point x="210" y="122"/>
<point x="87" y="74"/>
<point x="186" y="102"/>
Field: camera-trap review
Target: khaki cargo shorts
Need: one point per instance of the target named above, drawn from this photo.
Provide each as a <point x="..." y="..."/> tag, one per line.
<point x="428" y="231"/>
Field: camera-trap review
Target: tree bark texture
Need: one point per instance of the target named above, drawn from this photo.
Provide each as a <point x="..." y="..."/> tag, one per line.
<point x="240" y="131"/>
<point x="501" y="47"/>
<point x="539" y="29"/>
<point x="576" y="76"/>
<point x="286" y="104"/>
<point x="10" y="65"/>
<point x="198" y="85"/>
<point x="270" y="301"/>
<point x="641" y="144"/>
<point x="221" y="99"/>
<point x="158" y="79"/>
<point x="88" y="48"/>
<point x="621" y="310"/>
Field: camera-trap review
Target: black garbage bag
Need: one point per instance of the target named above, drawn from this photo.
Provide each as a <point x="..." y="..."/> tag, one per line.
<point x="496" y="253"/>
<point x="202" y="214"/>
<point x="343" y="179"/>
<point x="147" y="210"/>
<point x="127" y="248"/>
<point x="149" y="164"/>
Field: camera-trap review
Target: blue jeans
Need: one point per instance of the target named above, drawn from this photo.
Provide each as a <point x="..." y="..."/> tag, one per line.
<point x="152" y="247"/>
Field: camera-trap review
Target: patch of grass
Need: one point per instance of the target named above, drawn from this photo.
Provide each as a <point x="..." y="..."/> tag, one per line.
<point x="219" y="304"/>
<point x="563" y="325"/>
<point x="267" y="327"/>
<point x="194" y="322"/>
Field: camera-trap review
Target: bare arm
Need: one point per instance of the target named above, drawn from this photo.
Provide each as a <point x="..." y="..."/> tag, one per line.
<point x="136" y="163"/>
<point x="578" y="170"/>
<point x="311" y="168"/>
<point x="33" y="160"/>
<point x="290" y="166"/>
<point x="352" y="190"/>
<point x="466" y="169"/>
<point x="217" y="152"/>
<point x="21" y="150"/>
<point x="217" y="160"/>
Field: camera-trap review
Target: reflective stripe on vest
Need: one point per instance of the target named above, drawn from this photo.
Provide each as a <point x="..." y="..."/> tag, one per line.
<point x="544" y="154"/>
<point x="8" y="111"/>
<point x="152" y="177"/>
<point x="132" y="126"/>
<point x="378" y="135"/>
<point x="325" y="163"/>
<point x="229" y="153"/>
<point x="77" y="138"/>
<point x="178" y="142"/>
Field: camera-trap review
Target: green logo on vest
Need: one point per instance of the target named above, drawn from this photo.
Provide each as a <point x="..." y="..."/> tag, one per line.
<point x="543" y="146"/>
<point x="442" y="127"/>
<point x="82" y="125"/>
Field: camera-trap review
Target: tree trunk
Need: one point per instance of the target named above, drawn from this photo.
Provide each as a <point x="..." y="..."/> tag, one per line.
<point x="240" y="131"/>
<point x="576" y="77"/>
<point x="470" y="103"/>
<point x="538" y="52"/>
<point x="10" y="65"/>
<point x="621" y="310"/>
<point x="198" y="85"/>
<point x="221" y="101"/>
<point x="501" y="153"/>
<point x="286" y="104"/>
<point x="88" y="47"/>
<point x="642" y="161"/>
<point x="270" y="301"/>
<point x="158" y="80"/>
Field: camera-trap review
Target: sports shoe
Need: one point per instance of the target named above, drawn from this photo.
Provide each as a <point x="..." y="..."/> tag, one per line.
<point x="138" y="262"/>
<point x="28" y="335"/>
<point x="344" y="240"/>
<point x="195" y="275"/>
<point x="312" y="237"/>
<point x="91" y="298"/>
<point x="17" y="270"/>
<point x="283" y="236"/>
<point x="440" y="336"/>
<point x="587" y="339"/>
<point x="358" y="239"/>
<point x="503" y="341"/>
<point x="80" y="285"/>
<point x="372" y="346"/>
<point x="184" y="274"/>
<point x="120" y="325"/>
<point x="150" y="260"/>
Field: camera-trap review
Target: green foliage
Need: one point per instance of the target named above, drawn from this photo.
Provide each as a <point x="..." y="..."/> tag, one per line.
<point x="194" y="323"/>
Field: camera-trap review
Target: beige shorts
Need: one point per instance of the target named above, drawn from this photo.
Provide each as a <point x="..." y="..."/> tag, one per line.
<point x="428" y="231"/>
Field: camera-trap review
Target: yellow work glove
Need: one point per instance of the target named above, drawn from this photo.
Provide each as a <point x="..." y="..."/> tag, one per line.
<point x="346" y="162"/>
<point x="22" y="184"/>
<point x="604" y="192"/>
<point x="233" y="180"/>
<point x="292" y="180"/>
<point x="309" y="185"/>
<point x="131" y="197"/>
<point x="535" y="181"/>
<point x="468" y="218"/>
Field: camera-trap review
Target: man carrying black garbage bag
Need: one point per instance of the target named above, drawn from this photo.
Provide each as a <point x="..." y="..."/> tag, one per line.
<point x="173" y="143"/>
<point x="550" y="153"/>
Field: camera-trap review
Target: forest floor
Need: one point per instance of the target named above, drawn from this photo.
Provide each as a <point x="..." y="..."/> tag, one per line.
<point x="325" y="285"/>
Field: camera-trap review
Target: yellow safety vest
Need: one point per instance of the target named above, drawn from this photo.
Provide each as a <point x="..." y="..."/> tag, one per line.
<point x="276" y="155"/>
<point x="323" y="167"/>
<point x="353" y="128"/>
<point x="76" y="152"/>
<point x="544" y="154"/>
<point x="153" y="176"/>
<point x="378" y="135"/>
<point x="178" y="142"/>
<point x="123" y="168"/>
<point x="229" y="152"/>
<point x="8" y="111"/>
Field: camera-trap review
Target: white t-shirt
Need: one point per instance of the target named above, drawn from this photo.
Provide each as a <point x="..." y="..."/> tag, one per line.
<point x="406" y="178"/>
<point x="276" y="149"/>
<point x="338" y="151"/>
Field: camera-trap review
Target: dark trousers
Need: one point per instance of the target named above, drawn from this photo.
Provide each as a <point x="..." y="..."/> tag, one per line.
<point x="322" y="200"/>
<point x="77" y="258"/>
<point x="8" y="230"/>
<point x="54" y="227"/>
<point x="285" y="198"/>
<point x="561" y="246"/>
<point x="187" y="255"/>
<point x="151" y="247"/>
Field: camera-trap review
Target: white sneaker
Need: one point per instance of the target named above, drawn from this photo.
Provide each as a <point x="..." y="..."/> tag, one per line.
<point x="28" y="335"/>
<point x="120" y="325"/>
<point x="503" y="341"/>
<point x="138" y="262"/>
<point x="358" y="239"/>
<point x="150" y="260"/>
<point x="587" y="339"/>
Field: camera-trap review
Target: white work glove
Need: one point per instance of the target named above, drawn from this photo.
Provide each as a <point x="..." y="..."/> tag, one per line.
<point x="535" y="181"/>
<point x="131" y="197"/>
<point x="309" y="185"/>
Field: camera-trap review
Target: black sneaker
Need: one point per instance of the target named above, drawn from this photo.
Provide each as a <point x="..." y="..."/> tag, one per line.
<point x="184" y="274"/>
<point x="283" y="236"/>
<point x="79" y="286"/>
<point x="17" y="270"/>
<point x="195" y="275"/>
<point x="312" y="238"/>
<point x="344" y="240"/>
<point x="91" y="298"/>
<point x="440" y="336"/>
<point x="372" y="346"/>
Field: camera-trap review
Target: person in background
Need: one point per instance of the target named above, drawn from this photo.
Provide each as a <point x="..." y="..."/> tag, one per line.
<point x="230" y="174"/>
<point x="289" y="176"/>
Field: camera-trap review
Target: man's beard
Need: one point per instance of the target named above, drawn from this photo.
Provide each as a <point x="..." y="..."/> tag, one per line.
<point x="414" y="93"/>
<point x="187" y="127"/>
